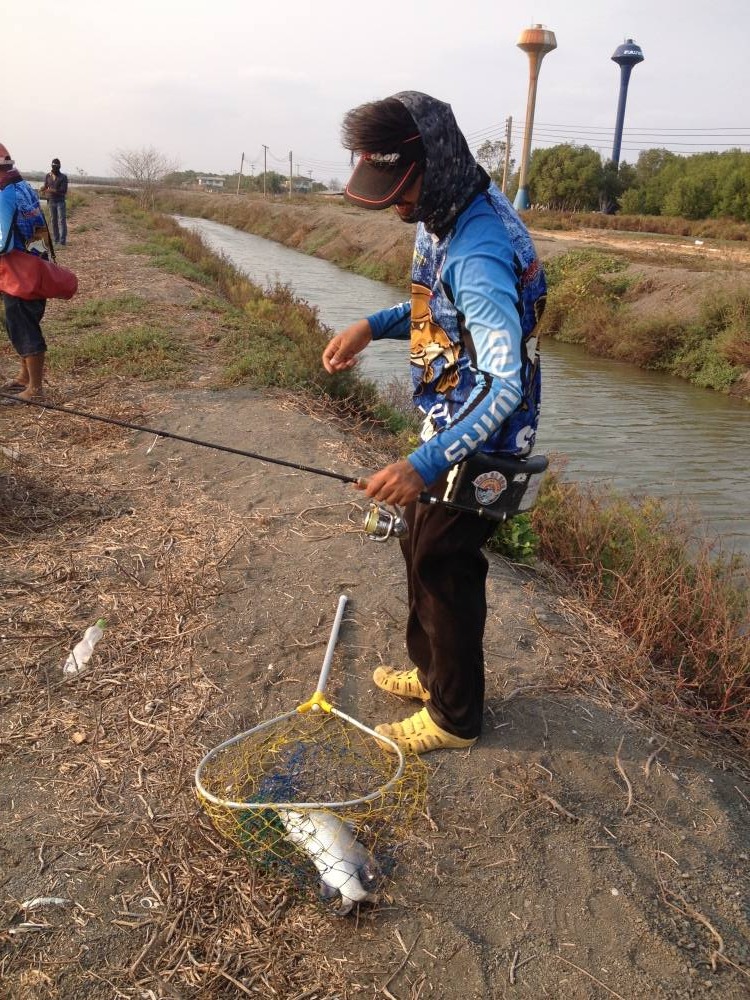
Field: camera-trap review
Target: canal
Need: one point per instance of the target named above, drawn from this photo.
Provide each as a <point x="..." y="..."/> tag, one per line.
<point x="640" y="432"/>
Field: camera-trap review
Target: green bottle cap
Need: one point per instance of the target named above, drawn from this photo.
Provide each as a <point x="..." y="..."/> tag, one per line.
<point x="101" y="622"/>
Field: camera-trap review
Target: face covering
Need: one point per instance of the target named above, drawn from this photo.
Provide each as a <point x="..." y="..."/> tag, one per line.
<point x="452" y="177"/>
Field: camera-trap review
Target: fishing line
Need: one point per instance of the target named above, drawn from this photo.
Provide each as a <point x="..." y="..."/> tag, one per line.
<point x="182" y="437"/>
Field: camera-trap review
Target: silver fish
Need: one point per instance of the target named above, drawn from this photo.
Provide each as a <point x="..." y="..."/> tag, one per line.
<point x="344" y="865"/>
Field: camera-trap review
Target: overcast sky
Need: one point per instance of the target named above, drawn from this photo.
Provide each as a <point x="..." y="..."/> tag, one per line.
<point x="204" y="82"/>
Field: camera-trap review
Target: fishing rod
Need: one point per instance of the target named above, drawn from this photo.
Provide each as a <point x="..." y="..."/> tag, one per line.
<point x="487" y="486"/>
<point x="182" y="437"/>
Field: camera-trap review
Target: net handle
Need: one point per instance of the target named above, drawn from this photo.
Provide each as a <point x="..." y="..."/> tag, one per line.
<point x="328" y="658"/>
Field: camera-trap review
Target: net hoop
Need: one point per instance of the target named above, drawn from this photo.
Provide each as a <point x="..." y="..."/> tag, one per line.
<point x="344" y="804"/>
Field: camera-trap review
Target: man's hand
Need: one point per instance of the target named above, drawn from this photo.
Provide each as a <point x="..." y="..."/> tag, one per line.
<point x="398" y="483"/>
<point x="342" y="349"/>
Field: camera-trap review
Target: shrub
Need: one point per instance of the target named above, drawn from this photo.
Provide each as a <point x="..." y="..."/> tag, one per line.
<point x="516" y="539"/>
<point x="684" y="607"/>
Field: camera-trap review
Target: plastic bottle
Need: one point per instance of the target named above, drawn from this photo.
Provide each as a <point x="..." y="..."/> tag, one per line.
<point x="77" y="661"/>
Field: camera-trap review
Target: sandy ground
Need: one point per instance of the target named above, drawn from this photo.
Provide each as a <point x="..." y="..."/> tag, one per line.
<point x="582" y="849"/>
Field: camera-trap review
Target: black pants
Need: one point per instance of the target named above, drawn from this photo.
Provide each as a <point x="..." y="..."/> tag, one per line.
<point x="23" y="318"/>
<point x="447" y="574"/>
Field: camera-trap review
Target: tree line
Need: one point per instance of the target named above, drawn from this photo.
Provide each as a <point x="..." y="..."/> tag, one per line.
<point x="701" y="186"/>
<point x="568" y="177"/>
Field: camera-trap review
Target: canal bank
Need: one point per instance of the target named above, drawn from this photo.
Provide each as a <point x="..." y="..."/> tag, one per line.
<point x="219" y="579"/>
<point x="654" y="301"/>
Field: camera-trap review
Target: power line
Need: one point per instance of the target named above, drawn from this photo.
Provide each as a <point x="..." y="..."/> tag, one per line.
<point x="498" y="127"/>
<point x="687" y="141"/>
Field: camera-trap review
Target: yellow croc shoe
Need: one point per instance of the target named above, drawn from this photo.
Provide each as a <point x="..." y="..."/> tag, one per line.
<point x="419" y="734"/>
<point x="404" y="683"/>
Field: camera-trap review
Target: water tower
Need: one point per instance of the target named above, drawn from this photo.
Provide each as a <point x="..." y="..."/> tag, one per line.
<point x="626" y="56"/>
<point x="536" y="42"/>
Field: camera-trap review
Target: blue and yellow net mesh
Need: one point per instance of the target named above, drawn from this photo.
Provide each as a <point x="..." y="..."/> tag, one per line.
<point x="316" y="793"/>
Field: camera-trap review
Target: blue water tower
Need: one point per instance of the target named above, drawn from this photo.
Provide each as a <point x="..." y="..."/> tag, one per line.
<point x="626" y="56"/>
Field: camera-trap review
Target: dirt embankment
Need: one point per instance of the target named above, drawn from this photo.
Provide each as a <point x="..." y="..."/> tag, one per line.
<point x="671" y="276"/>
<point x="580" y="850"/>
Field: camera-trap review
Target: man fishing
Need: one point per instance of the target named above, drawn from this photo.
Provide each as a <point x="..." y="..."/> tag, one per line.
<point x="477" y="293"/>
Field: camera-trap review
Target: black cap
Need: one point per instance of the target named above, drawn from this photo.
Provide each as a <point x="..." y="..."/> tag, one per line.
<point x="55" y="162"/>
<point x="379" y="179"/>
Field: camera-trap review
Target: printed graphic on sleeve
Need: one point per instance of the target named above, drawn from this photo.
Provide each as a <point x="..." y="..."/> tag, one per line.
<point x="431" y="348"/>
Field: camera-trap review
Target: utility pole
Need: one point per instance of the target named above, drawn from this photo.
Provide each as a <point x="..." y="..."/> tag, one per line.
<point x="240" y="174"/>
<point x="265" y="167"/>
<point x="506" y="165"/>
<point x="290" y="173"/>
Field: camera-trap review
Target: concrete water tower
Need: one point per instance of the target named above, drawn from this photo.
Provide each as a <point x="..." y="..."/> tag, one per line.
<point x="536" y="42"/>
<point x="626" y="56"/>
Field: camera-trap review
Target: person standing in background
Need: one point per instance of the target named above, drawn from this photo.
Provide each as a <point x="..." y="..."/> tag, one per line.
<point x="22" y="227"/>
<point x="55" y="190"/>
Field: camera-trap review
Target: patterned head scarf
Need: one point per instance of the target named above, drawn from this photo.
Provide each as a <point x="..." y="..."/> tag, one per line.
<point x="452" y="176"/>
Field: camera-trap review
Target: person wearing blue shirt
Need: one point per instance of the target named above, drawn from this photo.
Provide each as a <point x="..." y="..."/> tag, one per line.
<point x="477" y="293"/>
<point x="22" y="227"/>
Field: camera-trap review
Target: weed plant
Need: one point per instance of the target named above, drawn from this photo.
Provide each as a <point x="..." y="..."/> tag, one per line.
<point x="684" y="608"/>
<point x="516" y="540"/>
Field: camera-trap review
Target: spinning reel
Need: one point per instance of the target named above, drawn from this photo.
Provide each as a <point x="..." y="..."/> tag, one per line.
<point x="382" y="521"/>
<point x="489" y="486"/>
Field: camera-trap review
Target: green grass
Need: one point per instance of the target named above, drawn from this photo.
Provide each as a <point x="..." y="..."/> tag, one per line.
<point x="116" y="336"/>
<point x="167" y="256"/>
<point x="95" y="312"/>
<point x="138" y="351"/>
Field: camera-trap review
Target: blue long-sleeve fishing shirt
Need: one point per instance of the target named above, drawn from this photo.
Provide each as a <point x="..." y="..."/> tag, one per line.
<point x="477" y="295"/>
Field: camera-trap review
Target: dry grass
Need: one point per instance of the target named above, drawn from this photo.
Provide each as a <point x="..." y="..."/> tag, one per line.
<point x="720" y="229"/>
<point x="683" y="607"/>
<point x="102" y="767"/>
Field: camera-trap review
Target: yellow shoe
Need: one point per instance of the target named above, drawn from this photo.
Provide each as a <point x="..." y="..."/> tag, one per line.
<point x="419" y="734"/>
<point x="404" y="683"/>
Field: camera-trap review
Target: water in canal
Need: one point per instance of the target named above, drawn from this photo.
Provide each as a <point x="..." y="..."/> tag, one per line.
<point x="641" y="432"/>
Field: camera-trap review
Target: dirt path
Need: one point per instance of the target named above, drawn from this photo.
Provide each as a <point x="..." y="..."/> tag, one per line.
<point x="576" y="852"/>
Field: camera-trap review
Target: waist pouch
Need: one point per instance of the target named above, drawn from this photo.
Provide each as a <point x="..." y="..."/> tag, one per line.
<point x="495" y="486"/>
